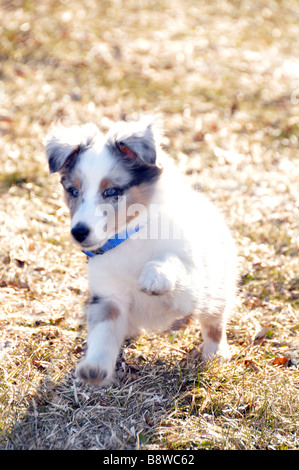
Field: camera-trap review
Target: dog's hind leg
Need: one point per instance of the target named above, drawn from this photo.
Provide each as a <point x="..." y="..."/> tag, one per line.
<point x="106" y="331"/>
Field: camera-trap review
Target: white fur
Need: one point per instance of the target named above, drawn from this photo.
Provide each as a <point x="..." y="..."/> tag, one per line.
<point x="154" y="281"/>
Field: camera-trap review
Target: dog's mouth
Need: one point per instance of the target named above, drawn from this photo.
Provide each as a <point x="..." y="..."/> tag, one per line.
<point x="90" y="241"/>
<point x="93" y="246"/>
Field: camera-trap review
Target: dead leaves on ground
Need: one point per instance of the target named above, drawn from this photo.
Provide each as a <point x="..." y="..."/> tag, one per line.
<point x="15" y="284"/>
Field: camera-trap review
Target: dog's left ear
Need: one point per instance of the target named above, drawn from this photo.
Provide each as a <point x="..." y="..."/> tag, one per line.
<point x="63" y="144"/>
<point x="137" y="140"/>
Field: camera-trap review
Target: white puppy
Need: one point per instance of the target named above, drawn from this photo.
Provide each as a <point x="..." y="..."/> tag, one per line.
<point x="158" y="251"/>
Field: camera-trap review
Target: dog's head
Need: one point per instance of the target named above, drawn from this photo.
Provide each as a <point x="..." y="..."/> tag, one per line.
<point x="107" y="180"/>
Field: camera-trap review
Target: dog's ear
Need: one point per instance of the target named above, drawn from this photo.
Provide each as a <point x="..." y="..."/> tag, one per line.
<point x="64" y="144"/>
<point x="137" y="140"/>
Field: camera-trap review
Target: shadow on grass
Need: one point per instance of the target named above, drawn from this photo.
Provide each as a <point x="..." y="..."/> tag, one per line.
<point x="130" y="414"/>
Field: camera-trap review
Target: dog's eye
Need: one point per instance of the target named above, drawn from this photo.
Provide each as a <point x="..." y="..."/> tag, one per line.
<point x="109" y="192"/>
<point x="74" y="192"/>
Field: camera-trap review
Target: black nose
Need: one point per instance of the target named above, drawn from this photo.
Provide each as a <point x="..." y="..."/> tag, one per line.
<point x="80" y="232"/>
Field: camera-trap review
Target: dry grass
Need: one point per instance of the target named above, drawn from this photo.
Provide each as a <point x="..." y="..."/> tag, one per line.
<point x="225" y="76"/>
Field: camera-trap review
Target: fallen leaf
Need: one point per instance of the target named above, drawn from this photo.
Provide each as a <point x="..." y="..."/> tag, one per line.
<point x="251" y="365"/>
<point x="281" y="361"/>
<point x="252" y="302"/>
<point x="18" y="285"/>
<point x="5" y="119"/>
<point x="57" y="321"/>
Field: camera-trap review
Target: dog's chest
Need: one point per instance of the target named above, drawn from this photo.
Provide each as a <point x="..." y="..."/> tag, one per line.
<point x="118" y="270"/>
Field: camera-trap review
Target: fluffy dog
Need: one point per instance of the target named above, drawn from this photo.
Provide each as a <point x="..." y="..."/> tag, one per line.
<point x="158" y="252"/>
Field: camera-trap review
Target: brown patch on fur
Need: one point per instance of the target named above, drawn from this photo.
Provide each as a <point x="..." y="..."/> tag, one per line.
<point x="181" y="323"/>
<point x="77" y="183"/>
<point x="140" y="194"/>
<point x="105" y="183"/>
<point x="112" y="311"/>
<point x="67" y="182"/>
<point x="137" y="195"/>
<point x="215" y="333"/>
<point x="101" y="310"/>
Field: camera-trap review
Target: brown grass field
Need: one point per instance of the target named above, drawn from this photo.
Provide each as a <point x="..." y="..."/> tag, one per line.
<point x="225" y="76"/>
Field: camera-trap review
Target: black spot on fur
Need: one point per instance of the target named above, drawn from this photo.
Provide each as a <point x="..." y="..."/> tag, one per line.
<point x="144" y="174"/>
<point x="95" y="299"/>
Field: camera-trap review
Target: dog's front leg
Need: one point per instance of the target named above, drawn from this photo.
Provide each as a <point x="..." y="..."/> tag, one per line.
<point x="106" y="332"/>
<point x="162" y="274"/>
<point x="214" y="339"/>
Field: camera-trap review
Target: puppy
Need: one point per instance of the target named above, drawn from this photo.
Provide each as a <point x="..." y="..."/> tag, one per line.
<point x="158" y="252"/>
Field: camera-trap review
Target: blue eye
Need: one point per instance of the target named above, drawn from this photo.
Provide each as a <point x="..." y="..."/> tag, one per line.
<point x="74" y="192"/>
<point x="109" y="192"/>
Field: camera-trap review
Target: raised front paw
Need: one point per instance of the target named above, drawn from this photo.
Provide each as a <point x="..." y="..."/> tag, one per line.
<point x="154" y="280"/>
<point x="93" y="373"/>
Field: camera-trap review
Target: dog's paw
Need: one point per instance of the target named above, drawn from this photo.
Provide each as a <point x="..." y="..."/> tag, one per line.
<point x="210" y="351"/>
<point x="154" y="281"/>
<point x="92" y="373"/>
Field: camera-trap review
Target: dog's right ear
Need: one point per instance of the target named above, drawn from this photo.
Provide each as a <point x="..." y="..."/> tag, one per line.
<point x="64" y="144"/>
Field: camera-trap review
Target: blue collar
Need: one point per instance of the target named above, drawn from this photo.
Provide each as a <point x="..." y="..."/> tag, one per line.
<point x="112" y="242"/>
